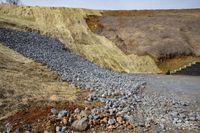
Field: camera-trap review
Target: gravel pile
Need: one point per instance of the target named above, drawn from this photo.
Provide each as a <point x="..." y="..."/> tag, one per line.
<point x="121" y="93"/>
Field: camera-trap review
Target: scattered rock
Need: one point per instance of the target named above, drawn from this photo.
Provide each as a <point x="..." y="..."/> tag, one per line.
<point x="62" y="113"/>
<point x="119" y="92"/>
<point x="16" y="130"/>
<point x="26" y="127"/>
<point x="119" y="119"/>
<point x="80" y="125"/>
<point x="58" y="129"/>
<point x="111" y="121"/>
<point x="77" y="110"/>
<point x="54" y="111"/>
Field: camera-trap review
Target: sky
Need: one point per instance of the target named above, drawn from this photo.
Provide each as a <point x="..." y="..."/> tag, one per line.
<point x="117" y="4"/>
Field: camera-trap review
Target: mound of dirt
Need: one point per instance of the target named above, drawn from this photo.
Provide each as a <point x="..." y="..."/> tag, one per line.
<point x="124" y="41"/>
<point x="160" y="34"/>
<point x="70" y="27"/>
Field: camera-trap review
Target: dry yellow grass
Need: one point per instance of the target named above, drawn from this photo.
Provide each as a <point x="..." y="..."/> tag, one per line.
<point x="70" y="27"/>
<point x="23" y="81"/>
<point x="178" y="62"/>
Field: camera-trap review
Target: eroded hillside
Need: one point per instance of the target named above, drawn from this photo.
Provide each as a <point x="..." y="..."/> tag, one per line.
<point x="125" y="41"/>
<point x="24" y="82"/>
<point x="70" y="27"/>
<point x="164" y="34"/>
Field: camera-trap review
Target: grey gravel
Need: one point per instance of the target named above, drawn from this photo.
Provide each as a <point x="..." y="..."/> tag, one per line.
<point x="62" y="113"/>
<point x="16" y="130"/>
<point x="54" y="111"/>
<point x="77" y="110"/>
<point x="58" y="129"/>
<point x="119" y="91"/>
<point x="26" y="127"/>
<point x="111" y="121"/>
<point x="80" y="125"/>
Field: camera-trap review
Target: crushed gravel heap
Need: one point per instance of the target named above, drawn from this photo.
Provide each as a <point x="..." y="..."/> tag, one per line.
<point x="120" y="92"/>
<point x="70" y="67"/>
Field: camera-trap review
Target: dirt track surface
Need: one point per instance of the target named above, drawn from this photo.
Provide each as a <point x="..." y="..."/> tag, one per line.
<point x="153" y="103"/>
<point x="183" y="86"/>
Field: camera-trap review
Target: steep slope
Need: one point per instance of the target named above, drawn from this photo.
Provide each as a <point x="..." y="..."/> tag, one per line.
<point x="153" y="102"/>
<point x="162" y="34"/>
<point x="24" y="82"/>
<point x="70" y="27"/>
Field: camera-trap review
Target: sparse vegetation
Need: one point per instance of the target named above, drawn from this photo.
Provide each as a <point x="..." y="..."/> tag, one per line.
<point x="71" y="28"/>
<point x="162" y="39"/>
<point x="22" y="81"/>
<point x="125" y="53"/>
<point x="108" y="101"/>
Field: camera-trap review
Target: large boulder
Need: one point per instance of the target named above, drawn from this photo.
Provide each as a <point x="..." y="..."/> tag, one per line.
<point x="80" y="125"/>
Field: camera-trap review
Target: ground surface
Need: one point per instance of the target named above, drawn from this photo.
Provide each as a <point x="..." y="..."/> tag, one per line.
<point x="160" y="34"/>
<point x="22" y="81"/>
<point x="126" y="41"/>
<point x="107" y="100"/>
<point x="70" y="27"/>
<point x="146" y="102"/>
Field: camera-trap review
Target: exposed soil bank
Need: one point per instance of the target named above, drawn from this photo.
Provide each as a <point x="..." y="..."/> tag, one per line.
<point x="23" y="81"/>
<point x="162" y="34"/>
<point x="69" y="26"/>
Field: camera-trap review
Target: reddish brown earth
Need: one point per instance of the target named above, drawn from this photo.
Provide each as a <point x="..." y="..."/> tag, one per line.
<point x="38" y="116"/>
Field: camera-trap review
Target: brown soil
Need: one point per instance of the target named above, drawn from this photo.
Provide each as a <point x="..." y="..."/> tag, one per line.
<point x="38" y="116"/>
<point x="162" y="34"/>
<point x="23" y="82"/>
<point x="69" y="26"/>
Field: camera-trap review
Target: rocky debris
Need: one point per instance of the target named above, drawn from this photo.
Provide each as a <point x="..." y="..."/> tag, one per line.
<point x="80" y="125"/>
<point x="62" y="113"/>
<point x="58" y="129"/>
<point x="111" y="121"/>
<point x="16" y="130"/>
<point x="54" y="111"/>
<point x="59" y="114"/>
<point x="121" y="93"/>
<point x="61" y="129"/>
<point x="77" y="110"/>
<point x="27" y="127"/>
